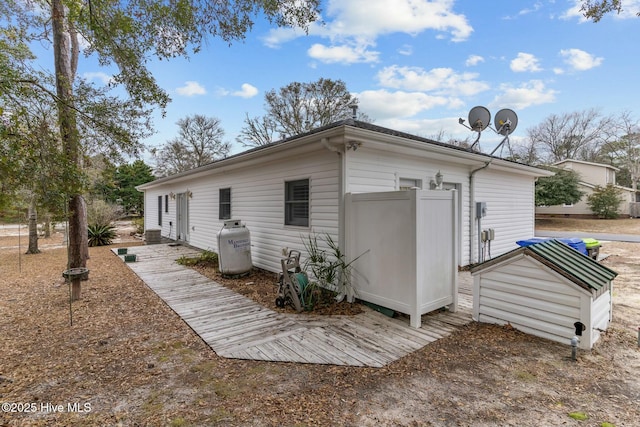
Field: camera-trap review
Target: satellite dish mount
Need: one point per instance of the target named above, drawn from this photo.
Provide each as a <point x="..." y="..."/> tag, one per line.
<point x="479" y="118"/>
<point x="506" y="121"/>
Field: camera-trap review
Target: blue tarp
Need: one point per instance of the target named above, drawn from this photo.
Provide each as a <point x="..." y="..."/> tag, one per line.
<point x="575" y="243"/>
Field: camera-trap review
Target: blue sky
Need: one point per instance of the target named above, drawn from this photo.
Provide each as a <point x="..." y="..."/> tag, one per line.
<point x="417" y="65"/>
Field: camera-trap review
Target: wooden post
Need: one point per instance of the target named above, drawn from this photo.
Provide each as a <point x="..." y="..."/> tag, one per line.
<point x="75" y="288"/>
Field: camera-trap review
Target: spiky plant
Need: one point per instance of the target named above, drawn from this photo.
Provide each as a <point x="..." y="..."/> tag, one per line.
<point x="101" y="234"/>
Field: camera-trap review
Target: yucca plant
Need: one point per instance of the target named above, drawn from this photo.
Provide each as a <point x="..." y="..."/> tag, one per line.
<point x="101" y="234"/>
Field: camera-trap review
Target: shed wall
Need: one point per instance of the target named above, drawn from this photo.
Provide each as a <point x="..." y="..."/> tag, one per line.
<point x="535" y="299"/>
<point x="530" y="298"/>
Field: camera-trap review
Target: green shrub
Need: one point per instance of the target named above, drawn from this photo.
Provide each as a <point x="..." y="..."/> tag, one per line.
<point x="605" y="201"/>
<point x="101" y="212"/>
<point x="101" y="234"/>
<point x="138" y="223"/>
<point x="328" y="266"/>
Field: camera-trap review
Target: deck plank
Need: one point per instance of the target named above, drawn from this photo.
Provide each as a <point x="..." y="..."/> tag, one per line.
<point x="235" y="326"/>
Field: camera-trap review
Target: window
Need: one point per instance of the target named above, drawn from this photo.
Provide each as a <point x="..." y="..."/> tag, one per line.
<point x="409" y="183"/>
<point x="296" y="203"/>
<point x="160" y="210"/>
<point x="166" y="203"/>
<point x="224" y="204"/>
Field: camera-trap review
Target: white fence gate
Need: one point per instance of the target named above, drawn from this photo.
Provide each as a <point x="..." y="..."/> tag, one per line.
<point x="406" y="242"/>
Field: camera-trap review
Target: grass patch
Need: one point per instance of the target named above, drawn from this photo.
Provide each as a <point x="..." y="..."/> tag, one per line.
<point x="579" y="416"/>
<point x="205" y="259"/>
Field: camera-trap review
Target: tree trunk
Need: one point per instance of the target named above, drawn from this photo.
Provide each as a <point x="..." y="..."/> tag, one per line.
<point x="47" y="226"/>
<point x="33" y="229"/>
<point x="78" y="233"/>
<point x="65" y="66"/>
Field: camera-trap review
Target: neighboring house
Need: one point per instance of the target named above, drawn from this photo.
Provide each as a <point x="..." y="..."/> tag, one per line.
<point x="591" y="175"/>
<point x="287" y="189"/>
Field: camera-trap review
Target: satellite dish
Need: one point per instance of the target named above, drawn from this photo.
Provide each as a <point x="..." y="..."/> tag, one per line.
<point x="506" y="121"/>
<point x="479" y="118"/>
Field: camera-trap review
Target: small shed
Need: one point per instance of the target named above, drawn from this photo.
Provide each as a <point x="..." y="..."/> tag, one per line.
<point x="544" y="290"/>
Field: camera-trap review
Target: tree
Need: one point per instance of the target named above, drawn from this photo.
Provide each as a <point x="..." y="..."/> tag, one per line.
<point x="596" y="9"/>
<point x="118" y="185"/>
<point x="624" y="151"/>
<point x="199" y="142"/>
<point x="578" y="135"/>
<point x="559" y="189"/>
<point x="124" y="34"/>
<point x="297" y="108"/>
<point x="605" y="201"/>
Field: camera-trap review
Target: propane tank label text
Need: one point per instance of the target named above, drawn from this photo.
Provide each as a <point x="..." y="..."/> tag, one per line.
<point x="240" y="245"/>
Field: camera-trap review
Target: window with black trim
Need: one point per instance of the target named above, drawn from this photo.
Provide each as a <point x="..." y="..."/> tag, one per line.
<point x="296" y="203"/>
<point x="166" y="203"/>
<point x="159" y="210"/>
<point x="224" y="204"/>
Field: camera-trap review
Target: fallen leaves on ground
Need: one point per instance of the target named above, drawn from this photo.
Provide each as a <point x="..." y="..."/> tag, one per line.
<point x="136" y="363"/>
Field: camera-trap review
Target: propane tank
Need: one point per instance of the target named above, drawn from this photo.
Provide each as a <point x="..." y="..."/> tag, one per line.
<point x="234" y="249"/>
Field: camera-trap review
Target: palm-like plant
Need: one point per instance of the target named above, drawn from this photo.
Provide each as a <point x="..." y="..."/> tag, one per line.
<point x="101" y="234"/>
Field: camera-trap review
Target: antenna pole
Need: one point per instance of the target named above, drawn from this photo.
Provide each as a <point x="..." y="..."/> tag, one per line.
<point x="505" y="139"/>
<point x="476" y="142"/>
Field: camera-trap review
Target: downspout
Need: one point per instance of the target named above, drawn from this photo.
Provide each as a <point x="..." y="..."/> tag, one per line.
<point x="342" y="187"/>
<point x="341" y="190"/>
<point x="472" y="208"/>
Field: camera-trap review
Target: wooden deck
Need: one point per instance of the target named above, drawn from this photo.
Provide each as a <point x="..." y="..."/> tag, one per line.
<point x="236" y="327"/>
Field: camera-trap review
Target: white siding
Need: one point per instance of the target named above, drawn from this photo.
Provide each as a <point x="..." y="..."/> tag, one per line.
<point x="534" y="299"/>
<point x="257" y="199"/>
<point x="509" y="196"/>
<point x="371" y="170"/>
<point x="510" y="208"/>
<point x="151" y="212"/>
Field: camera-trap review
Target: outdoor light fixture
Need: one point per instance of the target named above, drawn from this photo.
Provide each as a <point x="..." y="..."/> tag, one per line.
<point x="189" y="194"/>
<point x="353" y="145"/>
<point x="436" y="183"/>
<point x="172" y="195"/>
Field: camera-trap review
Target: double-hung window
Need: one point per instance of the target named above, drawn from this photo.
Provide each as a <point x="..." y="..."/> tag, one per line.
<point x="296" y="203"/>
<point x="224" y="204"/>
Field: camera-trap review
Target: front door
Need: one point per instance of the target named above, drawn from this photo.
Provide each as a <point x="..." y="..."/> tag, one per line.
<point x="182" y="217"/>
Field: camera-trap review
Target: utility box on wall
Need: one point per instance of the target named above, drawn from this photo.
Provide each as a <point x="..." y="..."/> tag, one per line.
<point x="405" y="243"/>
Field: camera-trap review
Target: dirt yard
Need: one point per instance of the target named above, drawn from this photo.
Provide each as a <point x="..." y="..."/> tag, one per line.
<point x="128" y="360"/>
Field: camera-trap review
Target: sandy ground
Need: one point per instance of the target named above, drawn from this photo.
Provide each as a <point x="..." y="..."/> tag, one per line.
<point x="128" y="360"/>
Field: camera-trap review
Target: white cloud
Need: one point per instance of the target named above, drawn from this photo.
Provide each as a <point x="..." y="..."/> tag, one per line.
<point x="629" y="11"/>
<point x="525" y="62"/>
<point x="531" y="93"/>
<point x="383" y="104"/>
<point x="371" y="18"/>
<point x="406" y="50"/>
<point x="579" y="60"/>
<point x="342" y="54"/>
<point x="357" y="24"/>
<point x="100" y="76"/>
<point x="574" y="12"/>
<point x="247" y="91"/>
<point x="537" y="6"/>
<point x="442" y="81"/>
<point x="191" y="88"/>
<point x="473" y="60"/>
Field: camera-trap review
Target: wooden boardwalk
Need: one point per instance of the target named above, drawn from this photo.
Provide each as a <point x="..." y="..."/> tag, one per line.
<point x="234" y="326"/>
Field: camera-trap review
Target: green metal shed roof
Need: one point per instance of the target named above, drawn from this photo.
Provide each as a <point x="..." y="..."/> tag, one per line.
<point x="565" y="260"/>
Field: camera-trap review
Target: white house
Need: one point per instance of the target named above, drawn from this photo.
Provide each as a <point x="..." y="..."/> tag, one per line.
<point x="591" y="175"/>
<point x="296" y="186"/>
